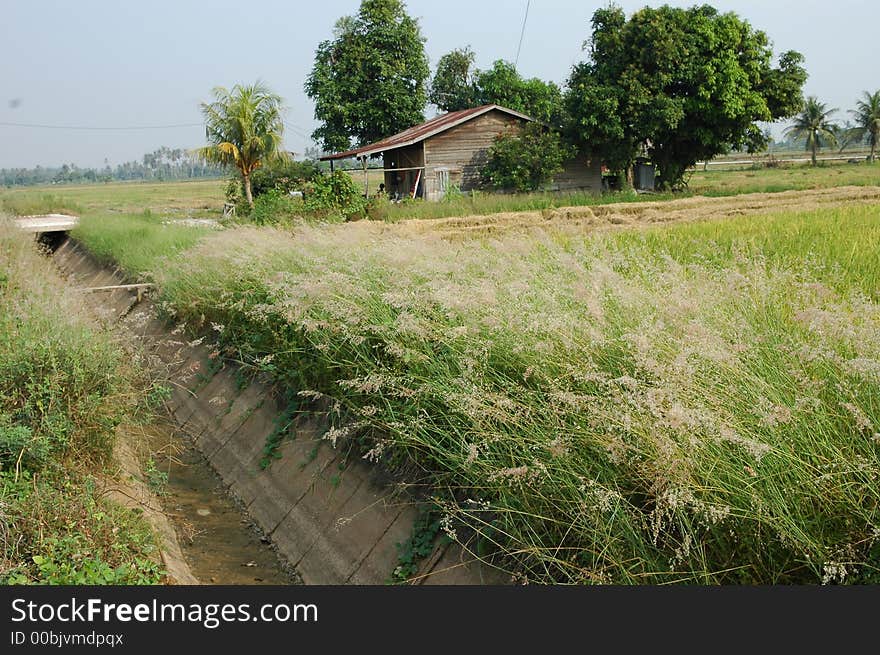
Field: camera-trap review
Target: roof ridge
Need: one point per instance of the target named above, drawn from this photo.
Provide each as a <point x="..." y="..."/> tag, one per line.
<point x="424" y="130"/>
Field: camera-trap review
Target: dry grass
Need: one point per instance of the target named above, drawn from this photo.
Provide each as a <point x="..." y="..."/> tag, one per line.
<point x="633" y="214"/>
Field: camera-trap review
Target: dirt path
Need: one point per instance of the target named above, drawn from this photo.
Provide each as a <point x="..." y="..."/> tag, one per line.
<point x="642" y="213"/>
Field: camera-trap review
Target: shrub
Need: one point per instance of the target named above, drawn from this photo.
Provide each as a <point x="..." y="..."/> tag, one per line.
<point x="526" y="161"/>
<point x="19" y="446"/>
<point x="275" y="207"/>
<point x="284" y="176"/>
<point x="335" y="196"/>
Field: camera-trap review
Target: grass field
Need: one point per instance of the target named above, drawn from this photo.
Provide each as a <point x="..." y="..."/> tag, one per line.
<point x="770" y="180"/>
<point x="205" y="198"/>
<point x="694" y="402"/>
<point x="201" y="198"/>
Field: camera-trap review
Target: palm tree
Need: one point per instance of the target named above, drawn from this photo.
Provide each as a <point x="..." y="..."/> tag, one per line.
<point x="244" y="127"/>
<point x="867" y="115"/>
<point x="814" y="126"/>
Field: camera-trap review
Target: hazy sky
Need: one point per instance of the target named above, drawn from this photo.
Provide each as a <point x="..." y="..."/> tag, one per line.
<point x="121" y="64"/>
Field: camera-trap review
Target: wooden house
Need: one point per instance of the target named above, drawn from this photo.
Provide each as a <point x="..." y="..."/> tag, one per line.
<point x="448" y="151"/>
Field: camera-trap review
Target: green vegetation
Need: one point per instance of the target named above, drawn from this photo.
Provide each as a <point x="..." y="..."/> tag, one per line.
<point x="421" y="543"/>
<point x="33" y="203"/>
<point x="789" y="178"/>
<point x="64" y="389"/>
<point x="179" y="199"/>
<point x="867" y="115"/>
<point x="526" y="161"/>
<point x="694" y="403"/>
<point x="284" y="176"/>
<point x="682" y="84"/>
<point x="455" y="86"/>
<point x="137" y="243"/>
<point x="368" y="82"/>
<point x="160" y="165"/>
<point x="274" y="207"/>
<point x="452" y="87"/>
<point x="245" y="130"/>
<point x="813" y="125"/>
<point x="205" y="199"/>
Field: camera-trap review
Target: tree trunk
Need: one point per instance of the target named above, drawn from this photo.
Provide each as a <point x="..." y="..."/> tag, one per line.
<point x="814" y="153"/>
<point x="873" y="149"/>
<point x="247" y="191"/>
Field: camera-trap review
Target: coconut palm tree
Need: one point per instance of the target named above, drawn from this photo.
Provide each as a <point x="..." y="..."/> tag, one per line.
<point x="813" y="125"/>
<point x="867" y="115"/>
<point x="244" y="127"/>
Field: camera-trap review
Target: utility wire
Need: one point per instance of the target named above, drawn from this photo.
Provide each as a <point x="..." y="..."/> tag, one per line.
<point x="522" y="33"/>
<point x="86" y="127"/>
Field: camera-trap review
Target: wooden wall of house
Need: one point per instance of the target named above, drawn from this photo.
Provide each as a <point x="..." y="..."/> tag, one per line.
<point x="463" y="151"/>
<point x="579" y="174"/>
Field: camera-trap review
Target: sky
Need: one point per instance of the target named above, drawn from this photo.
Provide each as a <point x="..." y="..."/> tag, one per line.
<point x="113" y="64"/>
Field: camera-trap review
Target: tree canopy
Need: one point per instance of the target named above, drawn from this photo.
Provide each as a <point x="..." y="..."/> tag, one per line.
<point x="452" y="88"/>
<point x="685" y="84"/>
<point x="457" y="85"/>
<point x="244" y="128"/>
<point x="369" y="81"/>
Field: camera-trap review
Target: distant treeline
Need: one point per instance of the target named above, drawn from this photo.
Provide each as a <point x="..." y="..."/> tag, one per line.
<point x="162" y="164"/>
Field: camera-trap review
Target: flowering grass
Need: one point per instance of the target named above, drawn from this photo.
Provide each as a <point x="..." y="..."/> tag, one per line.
<point x="692" y="403"/>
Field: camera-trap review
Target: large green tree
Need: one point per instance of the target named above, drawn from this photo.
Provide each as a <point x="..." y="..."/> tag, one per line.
<point x="503" y="85"/>
<point x="867" y="115"/>
<point x="813" y="126"/>
<point x="458" y="85"/>
<point x="245" y="128"/>
<point x="686" y="84"/>
<point x="369" y="81"/>
<point x="452" y="88"/>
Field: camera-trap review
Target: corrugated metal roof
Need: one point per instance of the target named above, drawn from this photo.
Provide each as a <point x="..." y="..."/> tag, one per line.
<point x="425" y="130"/>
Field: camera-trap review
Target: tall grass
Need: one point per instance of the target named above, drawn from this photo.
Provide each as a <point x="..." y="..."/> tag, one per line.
<point x="695" y="403"/>
<point x="64" y="388"/>
<point x="135" y="242"/>
<point x="35" y="203"/>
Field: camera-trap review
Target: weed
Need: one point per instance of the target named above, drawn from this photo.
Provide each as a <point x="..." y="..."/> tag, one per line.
<point x="64" y="389"/>
<point x="421" y="543"/>
<point x="283" y="429"/>
<point x="157" y="480"/>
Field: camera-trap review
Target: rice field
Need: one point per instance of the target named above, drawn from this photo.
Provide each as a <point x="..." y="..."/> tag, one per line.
<point x="586" y="402"/>
<point x="205" y="198"/>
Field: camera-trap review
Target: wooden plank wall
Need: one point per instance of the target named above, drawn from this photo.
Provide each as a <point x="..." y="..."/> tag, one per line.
<point x="463" y="150"/>
<point x="579" y="174"/>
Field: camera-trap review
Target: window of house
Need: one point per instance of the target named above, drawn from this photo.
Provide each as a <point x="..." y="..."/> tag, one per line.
<point x="442" y="180"/>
